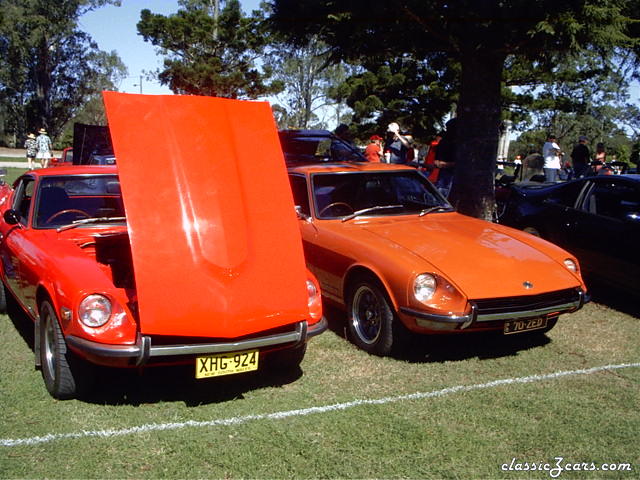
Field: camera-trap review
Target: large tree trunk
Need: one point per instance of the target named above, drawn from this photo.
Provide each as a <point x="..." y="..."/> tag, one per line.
<point x="477" y="133"/>
<point x="43" y="84"/>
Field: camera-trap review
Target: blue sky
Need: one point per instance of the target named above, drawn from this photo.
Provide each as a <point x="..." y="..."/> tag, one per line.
<point x="114" y="28"/>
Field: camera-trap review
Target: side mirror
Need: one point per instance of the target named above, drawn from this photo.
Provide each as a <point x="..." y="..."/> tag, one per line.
<point x="11" y="217"/>
<point x="301" y="215"/>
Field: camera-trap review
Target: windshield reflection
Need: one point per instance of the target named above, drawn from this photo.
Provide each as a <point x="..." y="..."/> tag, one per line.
<point x="340" y="195"/>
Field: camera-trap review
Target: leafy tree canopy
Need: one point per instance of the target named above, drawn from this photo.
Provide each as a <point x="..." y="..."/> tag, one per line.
<point x="481" y="37"/>
<point x="49" y="69"/>
<point x="210" y="52"/>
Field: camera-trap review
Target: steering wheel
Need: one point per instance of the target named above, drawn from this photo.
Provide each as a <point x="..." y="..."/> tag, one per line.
<point x="62" y="212"/>
<point x="335" y="204"/>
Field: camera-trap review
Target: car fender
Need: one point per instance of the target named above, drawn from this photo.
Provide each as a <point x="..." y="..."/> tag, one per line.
<point x="359" y="269"/>
<point x="82" y="280"/>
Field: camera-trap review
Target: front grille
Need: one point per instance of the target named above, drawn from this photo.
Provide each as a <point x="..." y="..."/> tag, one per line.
<point x="526" y="302"/>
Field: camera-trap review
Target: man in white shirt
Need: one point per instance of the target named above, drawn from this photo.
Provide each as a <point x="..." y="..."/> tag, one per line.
<point x="552" y="164"/>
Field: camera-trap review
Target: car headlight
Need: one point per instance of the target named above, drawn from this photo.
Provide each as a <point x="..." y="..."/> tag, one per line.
<point x="571" y="265"/>
<point x="424" y="286"/>
<point x="312" y="292"/>
<point x="94" y="310"/>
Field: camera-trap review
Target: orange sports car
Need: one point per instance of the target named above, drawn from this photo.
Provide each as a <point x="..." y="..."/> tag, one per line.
<point x="385" y="245"/>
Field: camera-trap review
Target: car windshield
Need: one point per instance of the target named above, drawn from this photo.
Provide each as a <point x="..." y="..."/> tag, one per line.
<point x="62" y="200"/>
<point x="348" y="195"/>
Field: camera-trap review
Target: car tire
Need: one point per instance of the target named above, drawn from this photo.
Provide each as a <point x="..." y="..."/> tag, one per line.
<point x="64" y="374"/>
<point x="371" y="317"/>
<point x="288" y="359"/>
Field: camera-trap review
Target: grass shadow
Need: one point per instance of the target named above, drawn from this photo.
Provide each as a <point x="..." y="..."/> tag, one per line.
<point x="480" y="345"/>
<point x="616" y="299"/>
<point x="454" y="347"/>
<point x="178" y="384"/>
<point x="21" y="321"/>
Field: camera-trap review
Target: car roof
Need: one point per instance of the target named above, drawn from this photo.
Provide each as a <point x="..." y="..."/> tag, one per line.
<point x="342" y="167"/>
<point x="75" y="170"/>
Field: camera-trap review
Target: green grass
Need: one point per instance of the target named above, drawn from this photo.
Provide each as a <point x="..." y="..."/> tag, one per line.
<point x="13" y="173"/>
<point x="465" y="434"/>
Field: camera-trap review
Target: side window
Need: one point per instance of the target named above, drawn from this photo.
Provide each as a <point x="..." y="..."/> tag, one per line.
<point x="22" y="199"/>
<point x="614" y="200"/>
<point x="300" y="194"/>
<point x="567" y="195"/>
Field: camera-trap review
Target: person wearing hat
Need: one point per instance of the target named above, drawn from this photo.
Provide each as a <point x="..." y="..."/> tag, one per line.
<point x="32" y="149"/>
<point x="397" y="144"/>
<point x="552" y="162"/>
<point x="44" y="145"/>
<point x="373" y="152"/>
<point x="580" y="157"/>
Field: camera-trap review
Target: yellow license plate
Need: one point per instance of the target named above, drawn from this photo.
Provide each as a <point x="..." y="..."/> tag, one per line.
<point x="226" y="363"/>
<point x="518" y="326"/>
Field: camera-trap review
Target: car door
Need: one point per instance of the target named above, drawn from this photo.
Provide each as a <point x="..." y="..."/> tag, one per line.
<point x="558" y="214"/>
<point x="303" y="209"/>
<point x="326" y="264"/>
<point x="15" y="245"/>
<point x="607" y="230"/>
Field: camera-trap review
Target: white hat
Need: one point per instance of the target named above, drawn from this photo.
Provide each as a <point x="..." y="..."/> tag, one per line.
<point x="393" y="127"/>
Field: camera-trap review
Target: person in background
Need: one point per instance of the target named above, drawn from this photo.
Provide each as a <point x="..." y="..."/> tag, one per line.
<point x="446" y="157"/>
<point x="44" y="146"/>
<point x="532" y="165"/>
<point x="373" y="152"/>
<point x="580" y="157"/>
<point x="397" y="144"/>
<point x="32" y="148"/>
<point x="552" y="163"/>
<point x="430" y="159"/>
<point x="342" y="147"/>
<point x="599" y="160"/>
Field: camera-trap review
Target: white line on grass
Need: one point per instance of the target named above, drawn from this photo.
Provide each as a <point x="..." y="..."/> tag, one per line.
<point x="154" y="427"/>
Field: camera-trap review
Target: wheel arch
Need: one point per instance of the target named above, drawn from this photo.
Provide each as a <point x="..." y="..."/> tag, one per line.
<point x="358" y="271"/>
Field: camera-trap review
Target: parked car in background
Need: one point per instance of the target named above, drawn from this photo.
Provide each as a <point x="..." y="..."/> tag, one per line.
<point x="388" y="248"/>
<point x="102" y="158"/>
<point x="161" y="260"/>
<point x="65" y="159"/>
<point x="595" y="218"/>
<point x="317" y="146"/>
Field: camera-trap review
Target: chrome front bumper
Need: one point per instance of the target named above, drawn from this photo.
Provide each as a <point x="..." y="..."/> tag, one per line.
<point x="143" y="350"/>
<point x="451" y="322"/>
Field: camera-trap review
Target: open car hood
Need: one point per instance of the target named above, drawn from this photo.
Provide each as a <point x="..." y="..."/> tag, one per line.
<point x="214" y="237"/>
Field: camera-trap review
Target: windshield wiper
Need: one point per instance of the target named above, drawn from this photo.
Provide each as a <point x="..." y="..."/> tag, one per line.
<point x="434" y="209"/>
<point x="370" y="209"/>
<point x="85" y="221"/>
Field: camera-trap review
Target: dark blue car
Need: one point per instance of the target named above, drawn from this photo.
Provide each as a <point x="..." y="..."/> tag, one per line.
<point x="595" y="218"/>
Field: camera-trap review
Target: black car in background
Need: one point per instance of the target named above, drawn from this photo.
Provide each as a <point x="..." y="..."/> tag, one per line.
<point x="595" y="218"/>
<point x="316" y="146"/>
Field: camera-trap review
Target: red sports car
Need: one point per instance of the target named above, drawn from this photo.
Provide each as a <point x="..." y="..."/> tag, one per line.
<point x="171" y="257"/>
